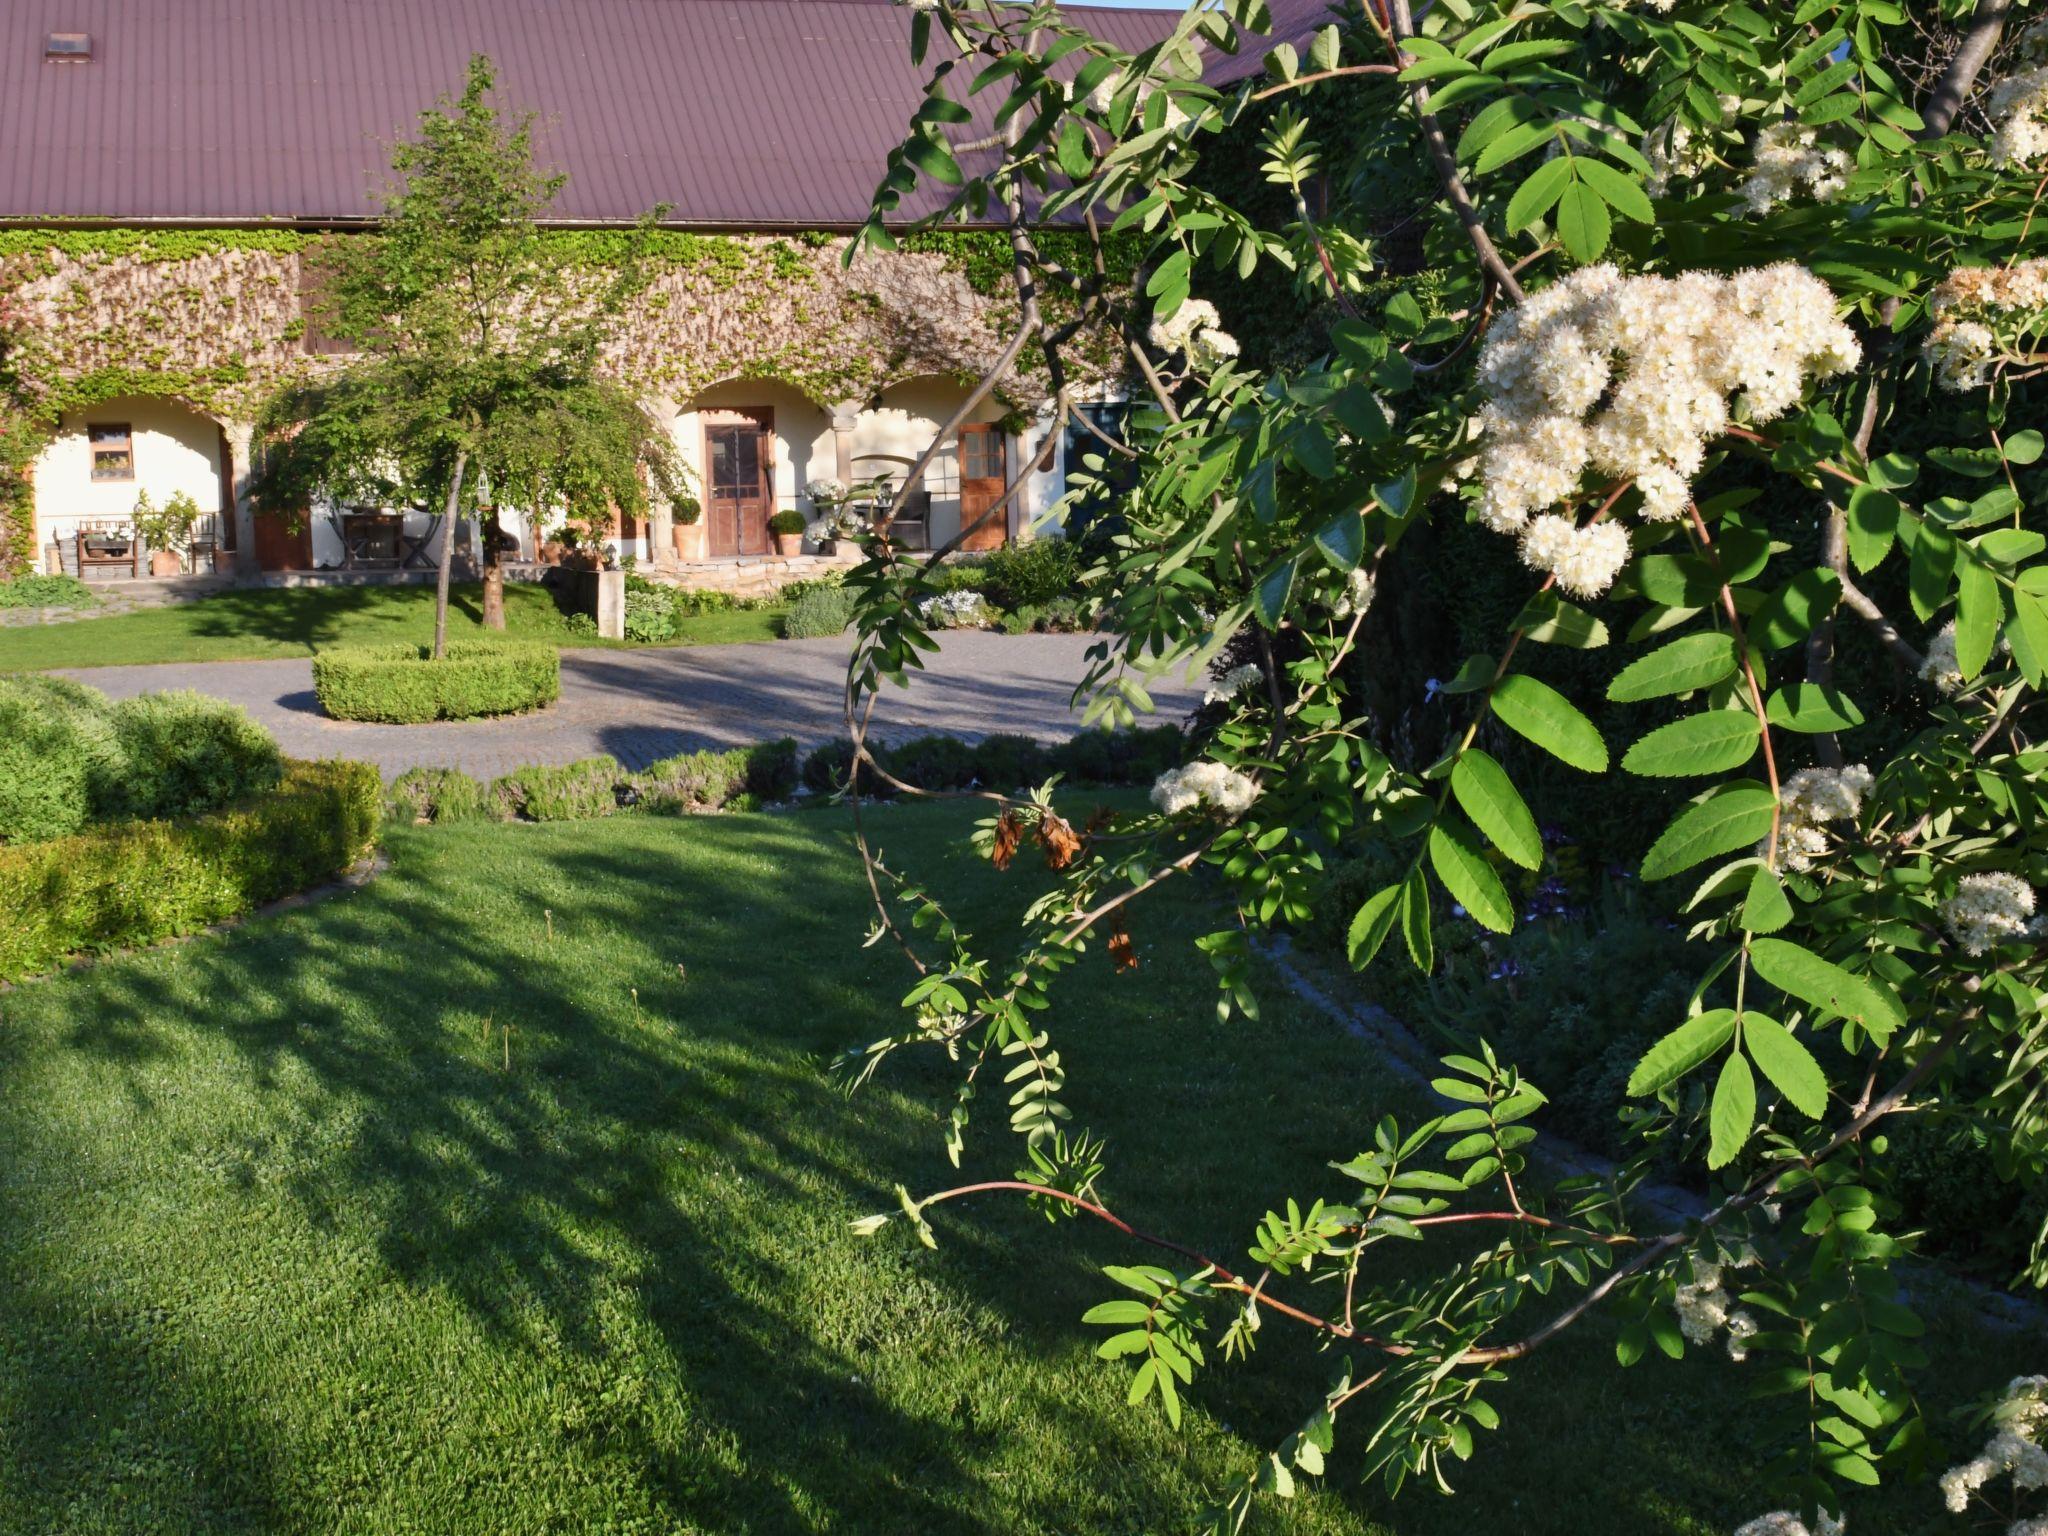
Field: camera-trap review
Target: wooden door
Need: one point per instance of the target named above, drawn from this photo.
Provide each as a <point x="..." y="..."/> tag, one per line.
<point x="739" y="473"/>
<point x="983" y="472"/>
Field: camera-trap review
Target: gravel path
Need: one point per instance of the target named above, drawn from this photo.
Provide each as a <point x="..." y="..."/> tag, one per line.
<point x="644" y="705"/>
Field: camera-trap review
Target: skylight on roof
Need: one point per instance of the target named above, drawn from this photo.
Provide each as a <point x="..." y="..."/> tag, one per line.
<point x="68" y="48"/>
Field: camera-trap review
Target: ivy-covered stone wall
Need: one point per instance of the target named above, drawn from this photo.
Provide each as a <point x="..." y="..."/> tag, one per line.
<point x="216" y="318"/>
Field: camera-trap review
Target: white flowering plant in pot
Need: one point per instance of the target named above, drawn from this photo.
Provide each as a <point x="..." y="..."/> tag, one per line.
<point x="1687" y="252"/>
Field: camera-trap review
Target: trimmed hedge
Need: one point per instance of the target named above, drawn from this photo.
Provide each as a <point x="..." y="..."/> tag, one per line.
<point x="70" y="757"/>
<point x="689" y="783"/>
<point x="57" y="756"/>
<point x="138" y="882"/>
<point x="1005" y="762"/>
<point x="183" y="754"/>
<point x="402" y="685"/>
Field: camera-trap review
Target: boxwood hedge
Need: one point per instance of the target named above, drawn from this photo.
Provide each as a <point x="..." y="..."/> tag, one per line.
<point x="402" y="685"/>
<point x="136" y="882"/>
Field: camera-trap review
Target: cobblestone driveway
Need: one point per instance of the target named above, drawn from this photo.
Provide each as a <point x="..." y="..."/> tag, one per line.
<point x="643" y="705"/>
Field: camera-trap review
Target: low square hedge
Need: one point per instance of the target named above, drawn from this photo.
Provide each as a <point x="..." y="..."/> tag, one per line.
<point x="403" y="685"/>
<point x="134" y="883"/>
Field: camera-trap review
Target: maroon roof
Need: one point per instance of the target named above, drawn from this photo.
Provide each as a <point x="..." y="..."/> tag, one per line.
<point x="738" y="113"/>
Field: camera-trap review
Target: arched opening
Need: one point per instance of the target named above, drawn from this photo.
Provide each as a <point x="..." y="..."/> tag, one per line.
<point x="752" y="446"/>
<point x="104" y="459"/>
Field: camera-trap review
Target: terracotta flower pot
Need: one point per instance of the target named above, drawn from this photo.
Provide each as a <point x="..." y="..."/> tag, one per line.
<point x="690" y="541"/>
<point x="165" y="562"/>
<point x="788" y="545"/>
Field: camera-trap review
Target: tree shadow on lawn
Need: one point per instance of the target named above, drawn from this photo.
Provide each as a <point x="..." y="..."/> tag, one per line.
<point x="684" y="1162"/>
<point x="639" y="1230"/>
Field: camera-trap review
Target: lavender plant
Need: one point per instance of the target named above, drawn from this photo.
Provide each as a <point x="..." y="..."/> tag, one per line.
<point x="1688" y="248"/>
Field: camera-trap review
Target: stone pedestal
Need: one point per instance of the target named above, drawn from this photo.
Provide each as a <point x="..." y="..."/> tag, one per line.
<point x="602" y="595"/>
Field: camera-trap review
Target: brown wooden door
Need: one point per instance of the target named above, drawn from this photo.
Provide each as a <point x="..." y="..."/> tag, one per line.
<point x="983" y="473"/>
<point x="279" y="547"/>
<point x="739" y="473"/>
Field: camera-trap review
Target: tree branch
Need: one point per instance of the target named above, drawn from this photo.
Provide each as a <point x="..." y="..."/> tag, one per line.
<point x="1446" y="164"/>
<point x="1980" y="40"/>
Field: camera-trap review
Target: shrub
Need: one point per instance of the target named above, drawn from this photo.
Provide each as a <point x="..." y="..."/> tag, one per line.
<point x="690" y="782"/>
<point x="436" y="794"/>
<point x="706" y="602"/>
<point x="46" y="592"/>
<point x="932" y="762"/>
<point x="1005" y="762"/>
<point x="1119" y="757"/>
<point x="1062" y="616"/>
<point x="818" y="613"/>
<point x="183" y="753"/>
<point x="575" y="791"/>
<point x="650" y="612"/>
<point x="962" y="608"/>
<point x="772" y="769"/>
<point x="969" y="575"/>
<point x="1043" y="571"/>
<point x="58" y="757"/>
<point x="794" y="591"/>
<point x="401" y="685"/>
<point x="139" y="882"/>
<point x="787" y="521"/>
<point x="826" y="768"/>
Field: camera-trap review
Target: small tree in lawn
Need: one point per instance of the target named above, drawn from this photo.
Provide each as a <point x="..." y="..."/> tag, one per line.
<point x="478" y="339"/>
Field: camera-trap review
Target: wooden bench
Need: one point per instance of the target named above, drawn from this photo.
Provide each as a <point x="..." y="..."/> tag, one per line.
<point x="104" y="546"/>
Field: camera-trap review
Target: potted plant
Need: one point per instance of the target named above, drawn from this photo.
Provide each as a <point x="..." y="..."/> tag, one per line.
<point x="166" y="531"/>
<point x="839" y="522"/>
<point x="689" y="528"/>
<point x="786" y="530"/>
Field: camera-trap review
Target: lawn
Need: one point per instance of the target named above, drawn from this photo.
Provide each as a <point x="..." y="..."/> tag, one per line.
<point x="259" y="623"/>
<point x="286" y="1246"/>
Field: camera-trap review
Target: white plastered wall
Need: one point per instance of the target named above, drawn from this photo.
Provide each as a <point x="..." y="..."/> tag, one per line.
<point x="175" y="449"/>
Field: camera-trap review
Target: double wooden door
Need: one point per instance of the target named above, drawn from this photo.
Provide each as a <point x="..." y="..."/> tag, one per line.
<point x="739" y="477"/>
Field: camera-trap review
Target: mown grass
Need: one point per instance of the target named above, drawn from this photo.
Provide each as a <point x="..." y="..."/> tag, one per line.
<point x="261" y="623"/>
<point x="285" y="1246"/>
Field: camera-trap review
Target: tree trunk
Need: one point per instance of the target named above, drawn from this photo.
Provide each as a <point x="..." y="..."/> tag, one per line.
<point x="494" y="573"/>
<point x="447" y="556"/>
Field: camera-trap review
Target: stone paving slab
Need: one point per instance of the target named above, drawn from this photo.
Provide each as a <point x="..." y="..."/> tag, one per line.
<point x="647" y="704"/>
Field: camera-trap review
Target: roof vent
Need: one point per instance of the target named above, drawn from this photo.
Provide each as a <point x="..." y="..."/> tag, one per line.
<point x="68" y="48"/>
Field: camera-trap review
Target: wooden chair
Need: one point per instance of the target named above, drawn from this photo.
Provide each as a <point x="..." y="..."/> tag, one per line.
<point x="107" y="545"/>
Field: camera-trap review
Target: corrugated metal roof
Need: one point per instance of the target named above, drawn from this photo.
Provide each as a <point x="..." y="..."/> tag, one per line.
<point x="745" y="113"/>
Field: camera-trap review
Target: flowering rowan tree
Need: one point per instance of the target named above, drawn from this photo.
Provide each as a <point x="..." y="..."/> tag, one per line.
<point x="1689" y="251"/>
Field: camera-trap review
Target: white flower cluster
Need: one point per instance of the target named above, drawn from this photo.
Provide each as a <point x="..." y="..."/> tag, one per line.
<point x="1784" y="1523"/>
<point x="2014" y="1447"/>
<point x="1234" y="682"/>
<point x="1988" y="910"/>
<point x="919" y="5"/>
<point x="1810" y="799"/>
<point x="1963" y="345"/>
<point x="825" y="488"/>
<point x="2018" y="104"/>
<point x="1665" y="355"/>
<point x="1939" y="665"/>
<point x="1356" y="598"/>
<point x="1196" y="329"/>
<point x="1211" y="785"/>
<point x="1704" y="1309"/>
<point x="1675" y="153"/>
<point x="1788" y="155"/>
<point x="954" y="610"/>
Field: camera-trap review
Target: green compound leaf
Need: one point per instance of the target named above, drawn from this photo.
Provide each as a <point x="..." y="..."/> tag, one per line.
<point x="1696" y="1040"/>
<point x="1455" y="855"/>
<point x="1733" y="816"/>
<point x="1799" y="972"/>
<point x="1787" y="1063"/>
<point x="1546" y="717"/>
<point x="1733" y="1115"/>
<point x="1713" y="742"/>
<point x="1686" y="664"/>
<point x="1487" y="795"/>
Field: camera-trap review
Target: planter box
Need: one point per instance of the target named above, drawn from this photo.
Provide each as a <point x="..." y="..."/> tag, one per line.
<point x="602" y="595"/>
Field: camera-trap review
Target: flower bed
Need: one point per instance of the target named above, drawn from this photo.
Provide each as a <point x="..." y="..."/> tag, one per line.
<point x="403" y="685"/>
<point x="137" y="882"/>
